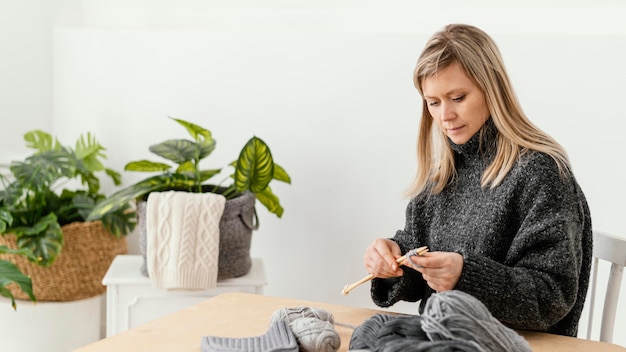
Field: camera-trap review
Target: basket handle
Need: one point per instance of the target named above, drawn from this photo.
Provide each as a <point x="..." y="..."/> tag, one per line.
<point x="255" y="221"/>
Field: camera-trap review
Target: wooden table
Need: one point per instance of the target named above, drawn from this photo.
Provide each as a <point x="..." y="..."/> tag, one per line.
<point x="246" y="315"/>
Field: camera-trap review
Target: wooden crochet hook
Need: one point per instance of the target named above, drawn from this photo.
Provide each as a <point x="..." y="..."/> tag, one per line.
<point x="401" y="260"/>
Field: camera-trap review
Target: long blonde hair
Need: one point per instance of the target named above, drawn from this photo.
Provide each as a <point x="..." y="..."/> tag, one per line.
<point x="479" y="56"/>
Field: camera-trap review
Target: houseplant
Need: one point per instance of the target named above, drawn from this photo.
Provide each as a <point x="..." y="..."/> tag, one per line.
<point x="45" y="199"/>
<point x="253" y="170"/>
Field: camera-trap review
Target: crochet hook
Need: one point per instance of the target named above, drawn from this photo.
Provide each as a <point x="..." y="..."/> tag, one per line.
<point x="401" y="260"/>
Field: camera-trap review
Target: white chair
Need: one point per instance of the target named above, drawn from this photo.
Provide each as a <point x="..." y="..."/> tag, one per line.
<point x="612" y="249"/>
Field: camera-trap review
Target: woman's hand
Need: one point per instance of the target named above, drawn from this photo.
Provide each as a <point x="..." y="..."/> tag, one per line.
<point x="440" y="270"/>
<point x="380" y="259"/>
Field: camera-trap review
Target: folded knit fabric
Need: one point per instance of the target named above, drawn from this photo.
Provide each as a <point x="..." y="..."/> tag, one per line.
<point x="278" y="338"/>
<point x="182" y="242"/>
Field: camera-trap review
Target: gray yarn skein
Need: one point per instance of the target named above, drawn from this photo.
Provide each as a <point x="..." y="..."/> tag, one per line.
<point x="291" y="314"/>
<point x="315" y="335"/>
<point x="456" y="315"/>
<point x="312" y="327"/>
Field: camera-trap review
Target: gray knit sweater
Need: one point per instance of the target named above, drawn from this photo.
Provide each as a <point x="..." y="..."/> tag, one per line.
<point x="526" y="244"/>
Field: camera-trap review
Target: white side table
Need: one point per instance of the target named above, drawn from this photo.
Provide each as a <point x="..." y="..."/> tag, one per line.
<point x="131" y="299"/>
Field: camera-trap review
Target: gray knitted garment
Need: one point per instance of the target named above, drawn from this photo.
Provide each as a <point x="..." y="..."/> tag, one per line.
<point x="278" y="338"/>
<point x="526" y="244"/>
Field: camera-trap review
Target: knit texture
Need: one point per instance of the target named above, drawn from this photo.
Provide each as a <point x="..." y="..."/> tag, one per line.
<point x="313" y="328"/>
<point x="278" y="338"/>
<point x="183" y="239"/>
<point x="526" y="244"/>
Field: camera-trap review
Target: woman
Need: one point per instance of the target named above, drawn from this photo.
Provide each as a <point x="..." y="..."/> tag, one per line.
<point x="494" y="198"/>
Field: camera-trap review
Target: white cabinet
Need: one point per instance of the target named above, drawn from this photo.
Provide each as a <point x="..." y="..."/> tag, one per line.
<point x="131" y="299"/>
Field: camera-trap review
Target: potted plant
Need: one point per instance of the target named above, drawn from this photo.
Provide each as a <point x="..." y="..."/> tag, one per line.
<point x="44" y="203"/>
<point x="253" y="170"/>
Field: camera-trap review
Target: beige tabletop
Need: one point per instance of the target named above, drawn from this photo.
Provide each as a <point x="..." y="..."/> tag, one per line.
<point x="246" y="315"/>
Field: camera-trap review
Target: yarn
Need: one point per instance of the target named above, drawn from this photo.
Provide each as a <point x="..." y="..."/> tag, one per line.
<point x="312" y="327"/>
<point x="291" y="314"/>
<point x="365" y="335"/>
<point x="451" y="321"/>
<point x="456" y="315"/>
<point x="315" y="335"/>
<point x="392" y="333"/>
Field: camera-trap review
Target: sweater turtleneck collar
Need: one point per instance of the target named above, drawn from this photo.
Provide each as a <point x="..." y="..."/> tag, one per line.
<point x="479" y="142"/>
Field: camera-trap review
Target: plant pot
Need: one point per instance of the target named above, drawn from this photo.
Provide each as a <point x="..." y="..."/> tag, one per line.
<point x="79" y="269"/>
<point x="236" y="226"/>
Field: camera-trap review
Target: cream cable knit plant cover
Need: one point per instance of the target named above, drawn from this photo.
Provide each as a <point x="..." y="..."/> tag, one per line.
<point x="183" y="239"/>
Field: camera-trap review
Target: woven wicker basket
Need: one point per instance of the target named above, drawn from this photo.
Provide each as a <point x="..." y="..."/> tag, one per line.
<point x="79" y="269"/>
<point x="236" y="226"/>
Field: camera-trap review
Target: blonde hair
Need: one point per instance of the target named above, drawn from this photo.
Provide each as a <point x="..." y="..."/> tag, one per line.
<point x="479" y="56"/>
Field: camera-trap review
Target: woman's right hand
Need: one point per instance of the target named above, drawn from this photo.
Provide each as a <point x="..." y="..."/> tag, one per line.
<point x="380" y="259"/>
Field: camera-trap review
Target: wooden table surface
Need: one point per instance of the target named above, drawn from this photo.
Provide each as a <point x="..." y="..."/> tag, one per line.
<point x="246" y="315"/>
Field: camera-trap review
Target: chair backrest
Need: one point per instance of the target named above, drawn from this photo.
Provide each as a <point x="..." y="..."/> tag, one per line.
<point x="612" y="249"/>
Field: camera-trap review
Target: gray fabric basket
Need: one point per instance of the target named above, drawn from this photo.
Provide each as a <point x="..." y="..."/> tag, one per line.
<point x="236" y="226"/>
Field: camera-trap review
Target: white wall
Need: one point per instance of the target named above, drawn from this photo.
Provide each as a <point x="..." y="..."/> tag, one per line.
<point x="328" y="85"/>
<point x="25" y="72"/>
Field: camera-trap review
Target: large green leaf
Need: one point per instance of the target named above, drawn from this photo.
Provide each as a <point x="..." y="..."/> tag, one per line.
<point x="255" y="166"/>
<point x="42" y="170"/>
<point x="41" y="141"/>
<point x="9" y="273"/>
<point x="176" y="150"/>
<point x="270" y="201"/>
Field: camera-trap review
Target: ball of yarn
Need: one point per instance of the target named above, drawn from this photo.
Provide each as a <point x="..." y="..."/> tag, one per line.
<point x="315" y="335"/>
<point x="456" y="315"/>
<point x="291" y="314"/>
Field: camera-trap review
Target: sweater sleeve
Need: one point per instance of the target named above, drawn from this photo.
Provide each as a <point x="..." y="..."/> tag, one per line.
<point x="410" y="286"/>
<point x="537" y="284"/>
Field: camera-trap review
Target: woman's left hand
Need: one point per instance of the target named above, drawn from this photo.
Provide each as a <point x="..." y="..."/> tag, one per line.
<point x="441" y="270"/>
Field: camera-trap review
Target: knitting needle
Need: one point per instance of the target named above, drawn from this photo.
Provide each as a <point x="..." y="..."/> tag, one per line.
<point x="401" y="260"/>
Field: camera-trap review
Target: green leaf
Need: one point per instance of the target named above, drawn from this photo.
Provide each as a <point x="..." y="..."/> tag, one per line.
<point x="146" y="166"/>
<point x="9" y="273"/>
<point x="41" y="170"/>
<point x="37" y="228"/>
<point x="82" y="204"/>
<point x="280" y="174"/>
<point x="41" y="141"/>
<point x="20" y="251"/>
<point x="120" y="222"/>
<point x="270" y="201"/>
<point x="255" y="166"/>
<point x="176" y="150"/>
<point x="115" y="176"/>
<point x="196" y="132"/>
<point x="139" y="189"/>
<point x="6" y="220"/>
<point x="45" y="245"/>
<point x="89" y="151"/>
<point x="207" y="174"/>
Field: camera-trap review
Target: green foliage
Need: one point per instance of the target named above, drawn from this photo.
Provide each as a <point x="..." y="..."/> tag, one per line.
<point x="10" y="273"/>
<point x="253" y="171"/>
<point x="36" y="199"/>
